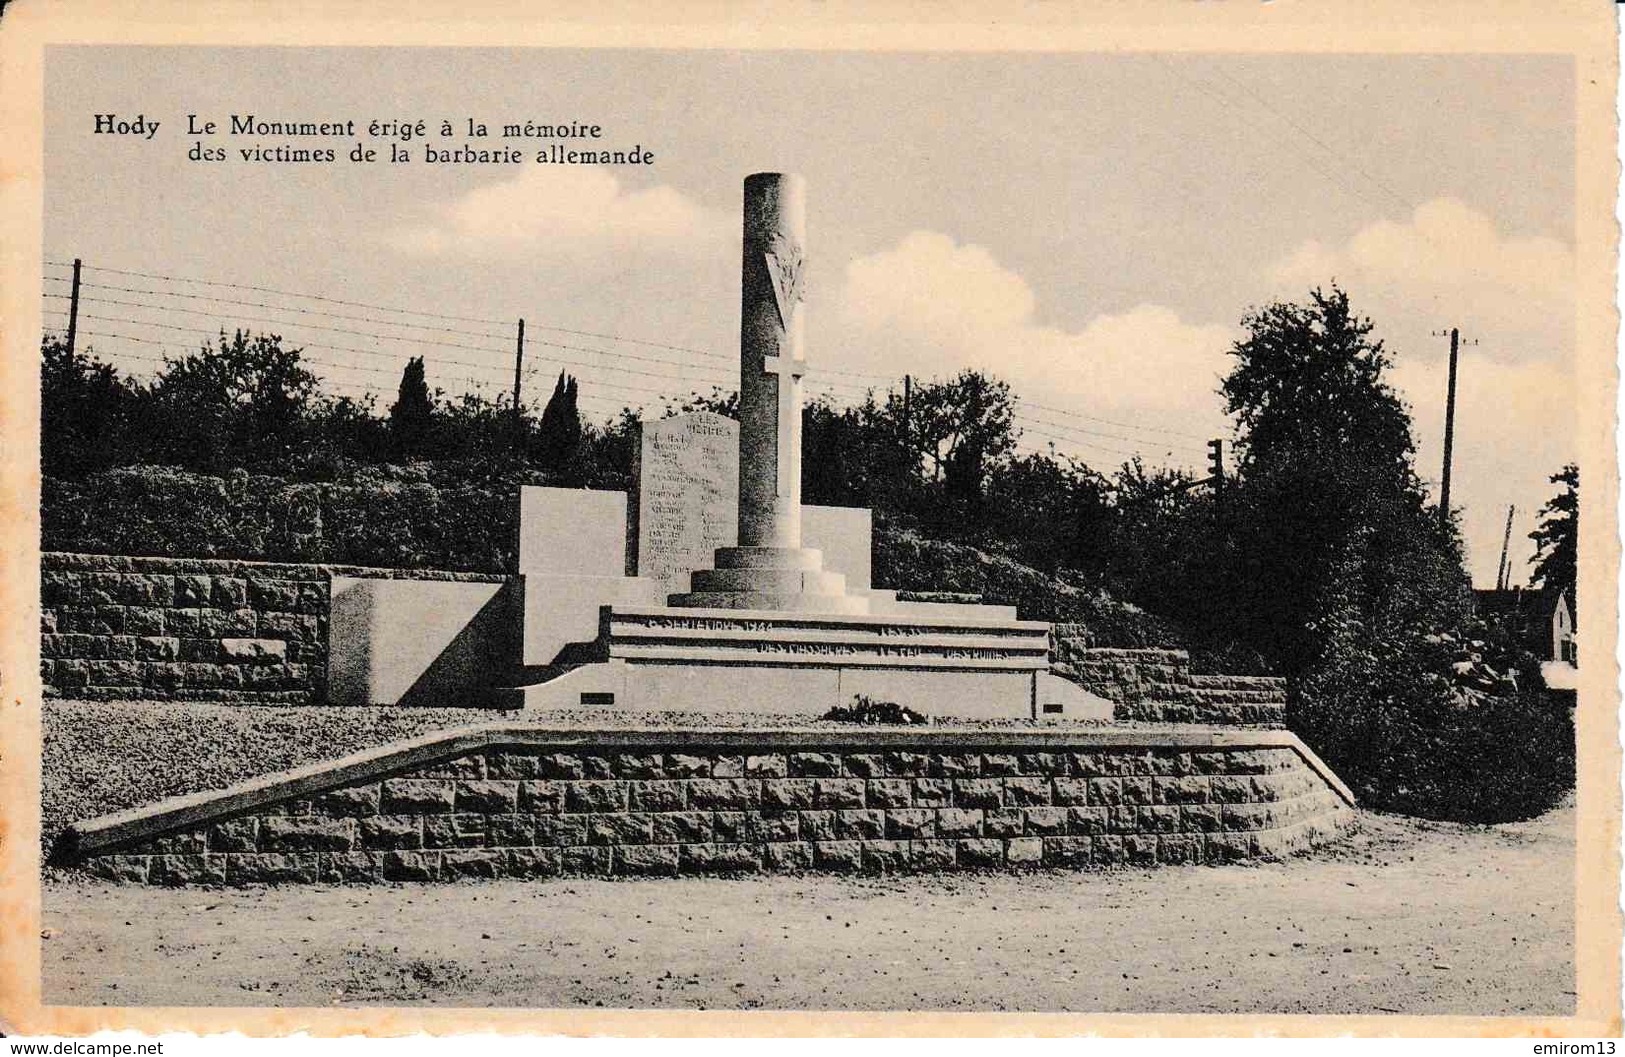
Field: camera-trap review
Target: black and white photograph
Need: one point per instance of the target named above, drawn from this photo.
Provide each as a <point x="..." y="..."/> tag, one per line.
<point x="1014" y="520"/>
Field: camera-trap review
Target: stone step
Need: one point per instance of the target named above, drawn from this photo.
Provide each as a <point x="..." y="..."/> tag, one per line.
<point x="1205" y="712"/>
<point x="808" y="559"/>
<point x="1222" y="696"/>
<point x="771" y="581"/>
<point x="963" y="598"/>
<point x="772" y="601"/>
<point x="1239" y="682"/>
<point x="833" y="634"/>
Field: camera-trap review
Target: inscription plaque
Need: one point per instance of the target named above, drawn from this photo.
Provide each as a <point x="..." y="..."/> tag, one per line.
<point x="685" y="496"/>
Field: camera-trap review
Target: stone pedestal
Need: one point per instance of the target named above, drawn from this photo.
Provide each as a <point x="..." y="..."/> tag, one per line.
<point x="788" y="579"/>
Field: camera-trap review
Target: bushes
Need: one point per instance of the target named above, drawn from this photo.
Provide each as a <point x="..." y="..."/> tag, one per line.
<point x="907" y="561"/>
<point x="368" y="520"/>
<point x="1406" y="738"/>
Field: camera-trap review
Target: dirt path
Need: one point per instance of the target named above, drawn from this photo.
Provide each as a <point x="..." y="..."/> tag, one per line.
<point x="1407" y="917"/>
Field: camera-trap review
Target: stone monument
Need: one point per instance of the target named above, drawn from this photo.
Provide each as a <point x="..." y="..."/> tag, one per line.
<point x="769" y="569"/>
<point x="767" y="625"/>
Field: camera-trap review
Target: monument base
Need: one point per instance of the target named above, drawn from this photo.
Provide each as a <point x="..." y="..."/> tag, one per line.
<point x="673" y="659"/>
<point x="777" y="579"/>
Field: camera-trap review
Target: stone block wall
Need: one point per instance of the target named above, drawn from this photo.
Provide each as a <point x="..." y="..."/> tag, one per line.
<point x="1158" y="686"/>
<point x="939" y="802"/>
<point x="117" y="628"/>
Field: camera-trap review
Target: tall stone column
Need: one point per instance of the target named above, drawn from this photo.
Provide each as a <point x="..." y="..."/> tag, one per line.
<point x="771" y="362"/>
<point x="770" y="569"/>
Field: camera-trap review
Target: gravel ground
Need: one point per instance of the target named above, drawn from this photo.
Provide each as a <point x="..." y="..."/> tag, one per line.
<point x="1403" y="917"/>
<point x="99" y="757"/>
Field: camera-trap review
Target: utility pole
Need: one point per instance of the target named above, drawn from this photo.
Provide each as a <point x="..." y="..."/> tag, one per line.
<point x="73" y="310"/>
<point x="1503" y="573"/>
<point x="1449" y="426"/>
<point x="518" y="367"/>
<point x="908" y="395"/>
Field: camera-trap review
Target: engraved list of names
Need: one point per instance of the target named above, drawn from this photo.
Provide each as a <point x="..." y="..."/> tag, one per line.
<point x="686" y="498"/>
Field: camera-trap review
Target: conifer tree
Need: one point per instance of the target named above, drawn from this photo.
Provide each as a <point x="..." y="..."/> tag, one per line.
<point x="411" y="419"/>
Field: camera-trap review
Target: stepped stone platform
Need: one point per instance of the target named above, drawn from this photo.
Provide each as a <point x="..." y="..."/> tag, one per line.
<point x="529" y="802"/>
<point x="802" y="663"/>
<point x="720" y="636"/>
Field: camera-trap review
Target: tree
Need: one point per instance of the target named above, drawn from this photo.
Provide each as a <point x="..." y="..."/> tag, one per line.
<point x="559" y="434"/>
<point x="243" y="402"/>
<point x="87" y="413"/>
<point x="411" y="417"/>
<point x="718" y="401"/>
<point x="959" y="425"/>
<point x="1051" y="510"/>
<point x="960" y="430"/>
<point x="1356" y="589"/>
<point x="1309" y="381"/>
<point x="1557" y="538"/>
<point x="1326" y="478"/>
<point x="1171" y="549"/>
<point x="473" y="428"/>
<point x="344" y="431"/>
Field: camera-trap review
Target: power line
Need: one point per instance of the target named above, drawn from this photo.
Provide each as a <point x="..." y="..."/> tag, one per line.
<point x="314" y="345"/>
<point x="647" y="395"/>
<point x="1089" y="432"/>
<point x="1109" y="422"/>
<point x="273" y="322"/>
<point x="1207" y="89"/>
<point x="681" y="374"/>
<point x="1328" y="148"/>
<point x="603" y="353"/>
<point x="616" y="354"/>
<point x="401" y="311"/>
<point x="340" y="366"/>
<point x="578" y="365"/>
<point x="1067" y="443"/>
<point x="275" y="308"/>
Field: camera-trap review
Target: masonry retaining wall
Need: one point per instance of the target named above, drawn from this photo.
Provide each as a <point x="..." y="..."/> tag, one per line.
<point x="1158" y="686"/>
<point x="525" y="802"/>
<point x="191" y="629"/>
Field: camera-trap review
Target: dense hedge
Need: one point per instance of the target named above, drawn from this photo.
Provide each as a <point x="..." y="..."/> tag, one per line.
<point x="389" y="523"/>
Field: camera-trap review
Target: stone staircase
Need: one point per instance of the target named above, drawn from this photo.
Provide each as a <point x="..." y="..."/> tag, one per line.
<point x="1157" y="685"/>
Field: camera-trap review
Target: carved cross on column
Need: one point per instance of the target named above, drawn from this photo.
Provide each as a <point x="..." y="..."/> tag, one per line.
<point x="771" y="363"/>
<point x="790" y="373"/>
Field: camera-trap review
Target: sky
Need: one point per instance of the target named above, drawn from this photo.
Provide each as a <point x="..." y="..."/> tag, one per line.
<point x="1092" y="228"/>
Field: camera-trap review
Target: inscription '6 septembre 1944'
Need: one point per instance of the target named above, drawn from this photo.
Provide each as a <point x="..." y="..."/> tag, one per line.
<point x="669" y="623"/>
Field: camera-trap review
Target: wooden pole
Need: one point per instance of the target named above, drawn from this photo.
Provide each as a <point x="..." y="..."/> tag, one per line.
<point x="1449" y="431"/>
<point x="908" y="394"/>
<point x="518" y="367"/>
<point x="1503" y="575"/>
<point x="73" y="310"/>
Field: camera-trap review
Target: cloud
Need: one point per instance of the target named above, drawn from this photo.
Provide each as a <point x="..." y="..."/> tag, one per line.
<point x="929" y="301"/>
<point x="1449" y="262"/>
<point x="572" y="210"/>
<point x="930" y="305"/>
